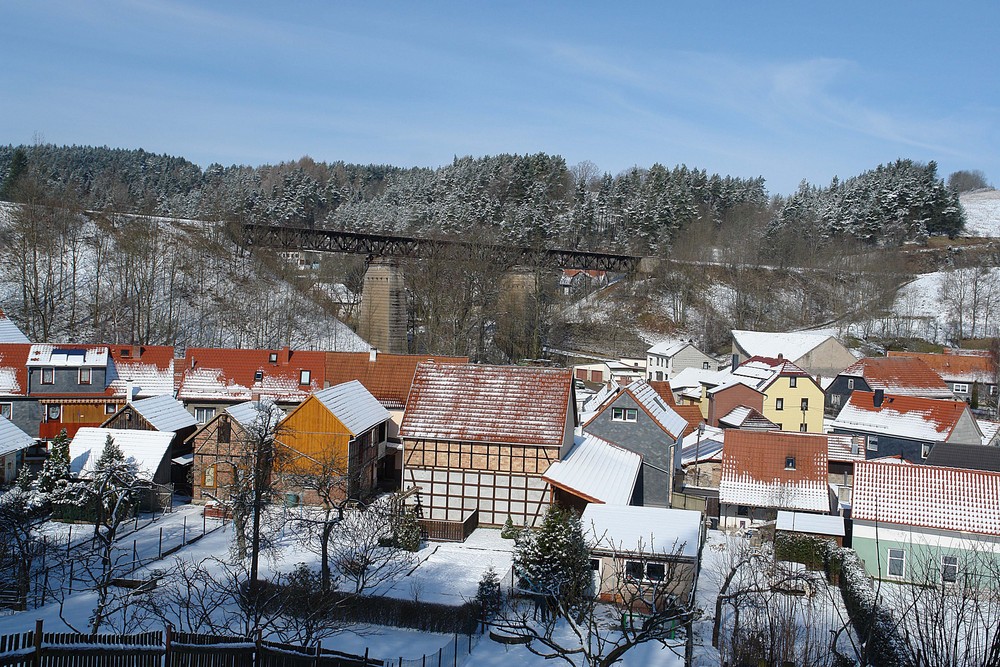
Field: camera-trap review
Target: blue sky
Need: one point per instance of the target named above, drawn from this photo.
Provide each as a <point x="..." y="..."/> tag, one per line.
<point x="784" y="90"/>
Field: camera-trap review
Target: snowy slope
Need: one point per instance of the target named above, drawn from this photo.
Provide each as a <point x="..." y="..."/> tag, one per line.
<point x="982" y="212"/>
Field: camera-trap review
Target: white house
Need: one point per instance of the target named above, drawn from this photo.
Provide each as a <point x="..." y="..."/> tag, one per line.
<point x="667" y="359"/>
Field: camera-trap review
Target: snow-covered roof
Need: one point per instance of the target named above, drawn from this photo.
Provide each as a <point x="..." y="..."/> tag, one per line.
<point x="989" y="429"/>
<point x="668" y="348"/>
<point x="164" y="413"/>
<point x="67" y="356"/>
<point x="754" y="470"/>
<point x="479" y="403"/>
<point x="902" y="376"/>
<point x="353" y="405"/>
<point x="955" y="367"/>
<point x="146" y="448"/>
<point x="13" y="372"/>
<point x="596" y="470"/>
<point x="744" y="417"/>
<point x="12" y="438"/>
<point x="845" y="448"/>
<point x="628" y="529"/>
<point x="816" y="524"/>
<point x="694" y="377"/>
<point x="708" y="446"/>
<point x="908" y="417"/>
<point x="927" y="496"/>
<point x="387" y="376"/>
<point x="790" y="345"/>
<point x="149" y="368"/>
<point x="671" y="422"/>
<point x="9" y="333"/>
<point x="240" y="375"/>
<point x="248" y="412"/>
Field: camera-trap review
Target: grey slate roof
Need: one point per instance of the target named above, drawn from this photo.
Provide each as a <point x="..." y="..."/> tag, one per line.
<point x="164" y="413"/>
<point x="970" y="457"/>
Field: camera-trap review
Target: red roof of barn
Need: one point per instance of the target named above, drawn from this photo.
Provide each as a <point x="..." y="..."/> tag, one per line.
<point x="505" y="404"/>
<point x="388" y="378"/>
<point x="927" y="496"/>
<point x="903" y="416"/>
<point x="754" y="470"/>
<point x="900" y="375"/>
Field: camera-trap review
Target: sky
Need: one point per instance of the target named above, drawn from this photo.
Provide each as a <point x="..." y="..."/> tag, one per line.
<point x="789" y="91"/>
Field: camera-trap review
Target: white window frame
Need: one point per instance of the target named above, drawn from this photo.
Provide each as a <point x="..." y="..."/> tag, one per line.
<point x="789" y="463"/>
<point x="7" y="410"/>
<point x="945" y="566"/>
<point x="871" y="443"/>
<point x="850" y="383"/>
<point x="89" y="376"/>
<point x="901" y="558"/>
<point x="305" y="377"/>
<point x="51" y="373"/>
<point x="203" y="415"/>
<point x="628" y="415"/>
<point x="925" y="449"/>
<point x="644" y="566"/>
<point x="960" y="388"/>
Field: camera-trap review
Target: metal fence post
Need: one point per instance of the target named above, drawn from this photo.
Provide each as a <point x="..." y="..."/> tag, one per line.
<point x="440" y="655"/>
<point x="160" y="547"/>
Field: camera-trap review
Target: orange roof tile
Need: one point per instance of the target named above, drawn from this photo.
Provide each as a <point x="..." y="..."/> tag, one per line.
<point x="903" y="416"/>
<point x="754" y="470"/>
<point x="229" y="375"/>
<point x="388" y="378"/>
<point x="968" y="367"/>
<point x="689" y="413"/>
<point x="903" y="376"/>
<point x="13" y="368"/>
<point x="504" y="404"/>
<point x="662" y="388"/>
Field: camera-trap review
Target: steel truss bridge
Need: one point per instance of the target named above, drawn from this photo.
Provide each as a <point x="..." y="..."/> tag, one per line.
<point x="380" y="245"/>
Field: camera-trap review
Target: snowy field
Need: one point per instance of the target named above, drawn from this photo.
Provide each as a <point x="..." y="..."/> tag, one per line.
<point x="982" y="213"/>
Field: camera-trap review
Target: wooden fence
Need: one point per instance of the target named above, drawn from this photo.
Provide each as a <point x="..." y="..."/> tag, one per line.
<point x="164" y="649"/>
<point x="449" y="531"/>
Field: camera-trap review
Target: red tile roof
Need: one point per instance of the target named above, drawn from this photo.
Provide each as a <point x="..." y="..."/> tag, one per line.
<point x="149" y="367"/>
<point x="13" y="368"/>
<point x="903" y="376"/>
<point x="662" y="388"/>
<point x="754" y="471"/>
<point x="960" y="367"/>
<point x="229" y="375"/>
<point x="689" y="413"/>
<point x="388" y="378"/>
<point x="504" y="404"/>
<point x="927" y="496"/>
<point x="903" y="416"/>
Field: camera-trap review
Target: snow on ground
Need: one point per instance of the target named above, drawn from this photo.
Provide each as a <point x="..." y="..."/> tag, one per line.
<point x="982" y="212"/>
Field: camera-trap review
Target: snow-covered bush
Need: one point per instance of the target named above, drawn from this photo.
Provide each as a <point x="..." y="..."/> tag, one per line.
<point x="554" y="560"/>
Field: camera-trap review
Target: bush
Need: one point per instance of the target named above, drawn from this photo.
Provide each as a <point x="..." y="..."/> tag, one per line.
<point x="809" y="550"/>
<point x="509" y="531"/>
<point x="489" y="595"/>
<point x="407" y="531"/>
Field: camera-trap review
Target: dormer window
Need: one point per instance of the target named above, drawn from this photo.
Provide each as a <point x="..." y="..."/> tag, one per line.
<point x="305" y="377"/>
<point x="258" y="376"/>
<point x="84" y="376"/>
<point x="850" y="383"/>
<point x="48" y="376"/>
<point x="789" y="463"/>
<point x="273" y="358"/>
<point x="126" y="352"/>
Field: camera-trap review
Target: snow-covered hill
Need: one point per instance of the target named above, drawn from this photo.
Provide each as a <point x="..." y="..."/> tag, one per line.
<point x="982" y="212"/>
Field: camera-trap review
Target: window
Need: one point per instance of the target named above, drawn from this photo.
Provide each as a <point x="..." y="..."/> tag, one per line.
<point x="925" y="449"/>
<point x="793" y="382"/>
<point x="203" y="415"/>
<point x="789" y="463"/>
<point x="633" y="569"/>
<point x="844" y="494"/>
<point x="7" y="410"/>
<point x="835" y="400"/>
<point x="897" y="562"/>
<point x="258" y="376"/>
<point x="110" y="408"/>
<point x="624" y="414"/>
<point x="805" y="404"/>
<point x="273" y="357"/>
<point x="52" y="413"/>
<point x="48" y="376"/>
<point x="873" y="443"/>
<point x="704" y="365"/>
<point x="645" y="571"/>
<point x="595" y="564"/>
<point x="779" y="404"/>
<point x="850" y="383"/>
<point x="742" y="510"/>
<point x="126" y="352"/>
<point x="84" y="376"/>
<point x="960" y="388"/>
<point x="949" y="569"/>
<point x="993" y="390"/>
<point x="305" y="377"/>
<point x="209" y="476"/>
<point x="803" y="427"/>
<point x="655" y="571"/>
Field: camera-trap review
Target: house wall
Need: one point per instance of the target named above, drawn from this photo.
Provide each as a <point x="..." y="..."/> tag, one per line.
<point x="128" y="418"/>
<point x="966" y="432"/>
<point x="730" y="518"/>
<point x="791" y="416"/>
<point x="499" y="480"/>
<point x="223" y="457"/>
<point x="827" y="359"/>
<point x="659" y="367"/>
<point x="26" y="413"/>
<point x="680" y="575"/>
<point x="891" y="446"/>
<point x="67" y="381"/>
<point x="722" y="402"/>
<point x="311" y="431"/>
<point x="924" y="547"/>
<point x="838" y="393"/>
<point x="643" y="437"/>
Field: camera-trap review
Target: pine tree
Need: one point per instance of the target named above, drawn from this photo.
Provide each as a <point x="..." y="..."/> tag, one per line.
<point x="554" y="560"/>
<point x="489" y="595"/>
<point x="408" y="531"/>
<point x="55" y="472"/>
<point x="509" y="531"/>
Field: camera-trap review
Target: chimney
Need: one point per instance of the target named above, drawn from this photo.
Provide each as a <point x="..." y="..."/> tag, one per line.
<point x="286" y="354"/>
<point x="136" y="351"/>
<point x="372" y="355"/>
<point x="128" y="393"/>
<point x="878" y="397"/>
<point x="735" y="362"/>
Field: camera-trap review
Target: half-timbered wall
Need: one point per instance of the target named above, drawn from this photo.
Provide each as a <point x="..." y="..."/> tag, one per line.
<point x="219" y="450"/>
<point x="456" y="478"/>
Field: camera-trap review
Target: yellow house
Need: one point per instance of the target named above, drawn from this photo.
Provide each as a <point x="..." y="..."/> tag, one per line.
<point x="337" y="431"/>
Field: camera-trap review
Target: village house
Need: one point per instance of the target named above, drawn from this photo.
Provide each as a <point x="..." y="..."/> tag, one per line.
<point x="820" y="526"/>
<point x="638" y="419"/>
<point x="667" y="359"/>
<point x="767" y="471"/>
<point x="906" y="426"/>
<point x="340" y="431"/>
<point x="641" y="555"/>
<point x="477" y="440"/>
<point x="16" y="404"/>
<point x="819" y="355"/>
<point x="926" y="524"/>
<point x="573" y="281"/>
<point x="223" y="448"/>
<point x="843" y="452"/>
<point x="13" y="443"/>
<point x="900" y="376"/>
<point x="970" y="374"/>
<point x="210" y="379"/>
